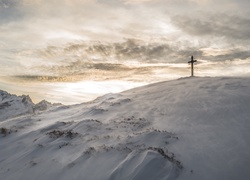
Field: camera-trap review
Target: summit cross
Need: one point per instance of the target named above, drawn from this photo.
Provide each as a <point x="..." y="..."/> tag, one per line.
<point x="192" y="65"/>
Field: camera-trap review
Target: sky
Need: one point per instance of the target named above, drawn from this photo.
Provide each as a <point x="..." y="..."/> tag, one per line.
<point x="84" y="48"/>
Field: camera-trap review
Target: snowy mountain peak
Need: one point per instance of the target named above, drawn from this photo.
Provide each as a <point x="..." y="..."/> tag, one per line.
<point x="26" y="99"/>
<point x="13" y="105"/>
<point x="42" y="105"/>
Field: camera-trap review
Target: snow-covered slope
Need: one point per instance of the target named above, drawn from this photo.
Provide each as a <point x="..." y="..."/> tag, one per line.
<point x="190" y="128"/>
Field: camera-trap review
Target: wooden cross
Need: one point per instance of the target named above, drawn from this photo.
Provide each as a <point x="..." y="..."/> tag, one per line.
<point x="192" y="65"/>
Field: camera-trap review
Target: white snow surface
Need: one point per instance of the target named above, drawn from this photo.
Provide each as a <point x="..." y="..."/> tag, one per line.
<point x="185" y="129"/>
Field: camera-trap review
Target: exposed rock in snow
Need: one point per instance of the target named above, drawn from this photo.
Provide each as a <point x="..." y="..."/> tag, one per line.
<point x="43" y="105"/>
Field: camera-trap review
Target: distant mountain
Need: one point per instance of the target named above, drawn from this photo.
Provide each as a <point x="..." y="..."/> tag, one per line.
<point x="185" y="129"/>
<point x="13" y="105"/>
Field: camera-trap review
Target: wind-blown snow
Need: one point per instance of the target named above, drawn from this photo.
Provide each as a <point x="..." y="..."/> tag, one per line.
<point x="190" y="128"/>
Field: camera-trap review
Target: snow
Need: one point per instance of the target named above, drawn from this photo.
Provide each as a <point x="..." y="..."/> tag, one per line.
<point x="190" y="128"/>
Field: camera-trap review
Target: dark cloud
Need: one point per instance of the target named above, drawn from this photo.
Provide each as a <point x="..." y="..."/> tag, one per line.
<point x="128" y="50"/>
<point x="95" y="55"/>
<point x="8" y="3"/>
<point x="219" y="25"/>
<point x="9" y="12"/>
<point x="79" y="71"/>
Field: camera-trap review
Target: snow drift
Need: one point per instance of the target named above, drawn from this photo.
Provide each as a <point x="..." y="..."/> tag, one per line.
<point x="190" y="128"/>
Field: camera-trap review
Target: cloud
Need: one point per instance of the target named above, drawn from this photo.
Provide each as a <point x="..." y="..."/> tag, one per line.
<point x="127" y="51"/>
<point x="4" y="4"/>
<point x="65" y="20"/>
<point x="134" y="2"/>
<point x="105" y="72"/>
<point x="219" y="25"/>
<point x="234" y="54"/>
<point x="65" y="37"/>
<point x="131" y="59"/>
<point x="122" y="51"/>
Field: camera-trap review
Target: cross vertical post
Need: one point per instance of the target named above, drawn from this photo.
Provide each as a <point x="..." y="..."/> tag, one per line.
<point x="192" y="65"/>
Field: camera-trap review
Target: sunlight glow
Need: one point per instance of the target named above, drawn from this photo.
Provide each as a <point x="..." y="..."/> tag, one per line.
<point x="67" y="93"/>
<point x="215" y="51"/>
<point x="63" y="35"/>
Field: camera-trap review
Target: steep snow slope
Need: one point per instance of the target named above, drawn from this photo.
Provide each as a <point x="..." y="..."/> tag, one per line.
<point x="211" y="117"/>
<point x="190" y="128"/>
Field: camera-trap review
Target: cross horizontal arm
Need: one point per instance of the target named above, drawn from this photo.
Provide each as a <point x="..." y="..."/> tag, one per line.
<point x="192" y="61"/>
